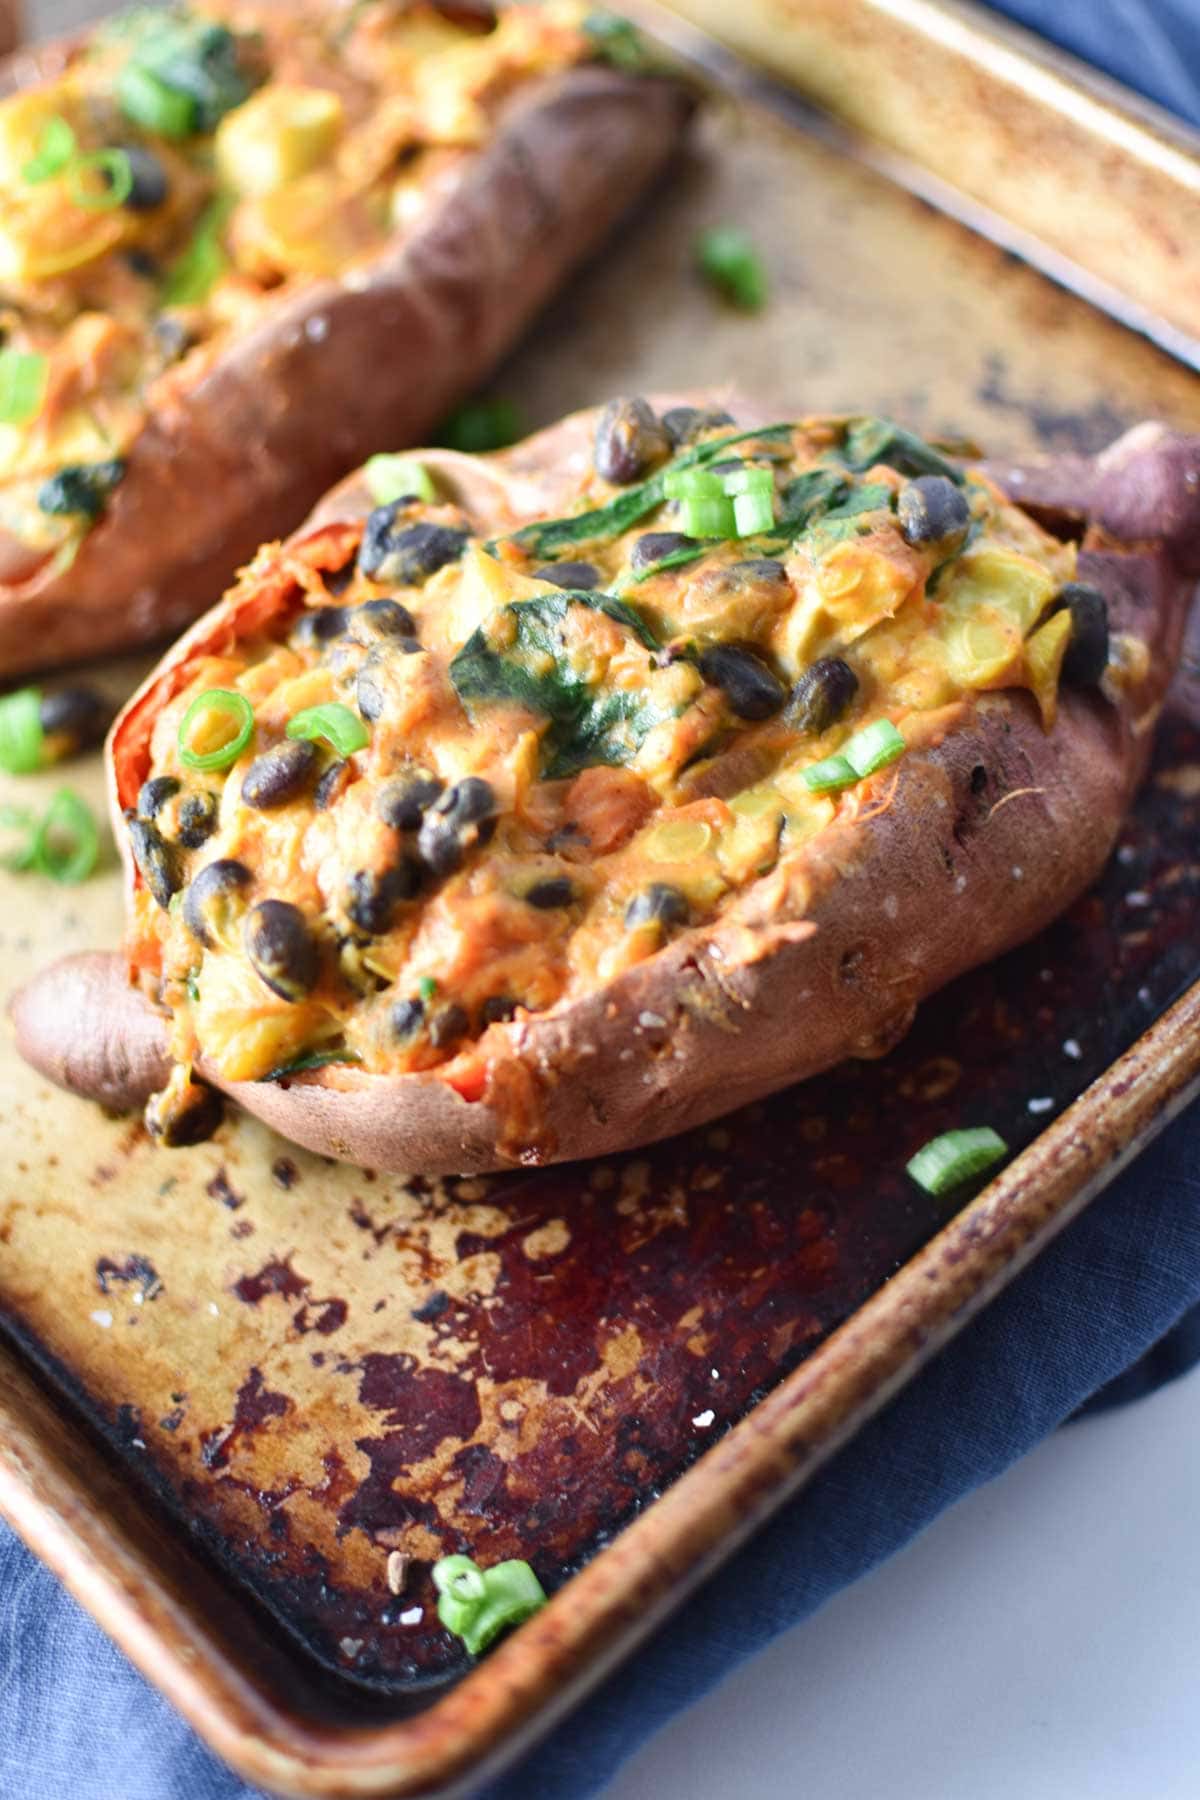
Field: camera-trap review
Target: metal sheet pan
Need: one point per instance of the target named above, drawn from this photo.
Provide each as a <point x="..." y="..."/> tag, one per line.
<point x="233" y="1379"/>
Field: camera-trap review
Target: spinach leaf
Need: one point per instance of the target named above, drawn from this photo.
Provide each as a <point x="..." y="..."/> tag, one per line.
<point x="844" y="521"/>
<point x="313" y="1059"/>
<point x="871" y="440"/>
<point x="809" y="496"/>
<point x="547" y="536"/>
<point x="587" y="725"/>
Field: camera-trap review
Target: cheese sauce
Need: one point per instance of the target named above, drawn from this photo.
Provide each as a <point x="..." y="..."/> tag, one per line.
<point x="546" y="756"/>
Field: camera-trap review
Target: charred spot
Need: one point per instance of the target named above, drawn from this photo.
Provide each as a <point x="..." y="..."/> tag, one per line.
<point x="433" y="1308"/>
<point x="284" y="1172"/>
<point x="852" y="965"/>
<point x="219" y="1189"/>
<point x="136" y="1271"/>
<point x="979" y="779"/>
<point x="275" y="1277"/>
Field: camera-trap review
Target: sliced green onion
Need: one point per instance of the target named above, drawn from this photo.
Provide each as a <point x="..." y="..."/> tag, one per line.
<point x="333" y="724"/>
<point x="116" y="173"/>
<point x="874" y="747"/>
<point x="21" y="734"/>
<point x="947" y="1161"/>
<point x="478" y="1604"/>
<point x="153" y="105"/>
<point x="829" y="776"/>
<point x="480" y="425"/>
<point x="55" y="151"/>
<point x="67" y="842"/>
<point x="196" y="271"/>
<point x="395" y="477"/>
<point x="20" y="855"/>
<point x="224" y="715"/>
<point x="22" y="385"/>
<point x="427" y="987"/>
<point x="705" y="518"/>
<point x="514" y="1594"/>
<point x="693" y="484"/>
<point x="728" y="260"/>
<point x="748" y="480"/>
<point x="753" y="513"/>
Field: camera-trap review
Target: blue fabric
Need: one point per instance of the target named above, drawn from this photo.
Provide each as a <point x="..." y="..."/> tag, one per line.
<point x="1087" y="1325"/>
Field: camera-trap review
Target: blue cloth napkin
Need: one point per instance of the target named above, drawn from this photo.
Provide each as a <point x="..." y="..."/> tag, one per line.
<point x="1103" y="1316"/>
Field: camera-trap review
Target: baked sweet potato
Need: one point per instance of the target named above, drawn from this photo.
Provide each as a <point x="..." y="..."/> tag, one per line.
<point x="243" y="247"/>
<point x="612" y="827"/>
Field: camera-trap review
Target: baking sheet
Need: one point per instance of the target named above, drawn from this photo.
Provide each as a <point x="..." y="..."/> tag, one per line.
<point x="306" y="1366"/>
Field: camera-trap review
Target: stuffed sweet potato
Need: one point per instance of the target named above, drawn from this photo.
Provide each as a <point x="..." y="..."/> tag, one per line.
<point x="576" y="794"/>
<point x="244" y="245"/>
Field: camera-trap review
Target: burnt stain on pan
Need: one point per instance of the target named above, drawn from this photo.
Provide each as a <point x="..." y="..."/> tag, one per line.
<point x="517" y="1365"/>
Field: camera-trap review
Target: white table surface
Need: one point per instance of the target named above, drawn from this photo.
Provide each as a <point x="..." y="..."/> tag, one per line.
<point x="1040" y="1642"/>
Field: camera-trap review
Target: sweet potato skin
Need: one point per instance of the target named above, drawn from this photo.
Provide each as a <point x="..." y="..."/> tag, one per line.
<point x="344" y="367"/>
<point x="985" y="831"/>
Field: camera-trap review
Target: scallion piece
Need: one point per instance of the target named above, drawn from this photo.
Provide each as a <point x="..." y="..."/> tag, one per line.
<point x="67" y="842"/>
<point x="333" y="724"/>
<point x="829" y="776"/>
<point x="728" y="260"/>
<point x="116" y="180"/>
<point x="874" y="747"/>
<point x="221" y="719"/>
<point x="196" y="271"/>
<point x="22" y="385"/>
<point x="150" y="103"/>
<point x="954" y="1157"/>
<point x="55" y="151"/>
<point x="702" y="517"/>
<point x="753" y="512"/>
<point x="20" y="821"/>
<point x="693" y="484"/>
<point x="427" y="987"/>
<point x="21" y="734"/>
<point x="391" y="478"/>
<point x="478" y="1604"/>
<point x="748" y="480"/>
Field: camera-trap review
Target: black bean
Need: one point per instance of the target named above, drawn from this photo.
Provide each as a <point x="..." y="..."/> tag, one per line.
<point x="142" y="264"/>
<point x="403" y="801"/>
<point x="178" y="1118"/>
<point x="441" y="847"/>
<point x="372" y="895"/>
<point x="154" y="794"/>
<point x="757" y="568"/>
<point x="447" y="1025"/>
<point x="409" y="555"/>
<point x="684" y="424"/>
<point x="556" y="890"/>
<point x="933" y="510"/>
<point x="155" y="859"/>
<point x="652" y="546"/>
<point x="317" y="626"/>
<point x="215" y="899"/>
<point x="822" y="694"/>
<point x="282" y="949"/>
<point x="470" y="801"/>
<point x="278" y="775"/>
<point x="75" y="718"/>
<point x="407" y="1017"/>
<point x="751" y="689"/>
<point x="582" y="576"/>
<point x="326" y="790"/>
<point x="150" y="185"/>
<point x="461" y="817"/>
<point x="197" y="819"/>
<point x="630" y="439"/>
<point x="658" y="904"/>
<point x="1088" y="651"/>
<point x="338" y="580"/>
<point x="381" y="619"/>
<point x="371" y="692"/>
<point x="497" y="1009"/>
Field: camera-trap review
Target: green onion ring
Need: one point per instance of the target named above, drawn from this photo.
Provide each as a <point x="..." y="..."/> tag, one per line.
<point x="67" y="816"/>
<point x="954" y="1157"/>
<point x="390" y="477"/>
<point x="21" y="734"/>
<point x="55" y="151"/>
<point x="241" y="714"/>
<point x="115" y="167"/>
<point x="874" y="747"/>
<point x="22" y="385"/>
<point x="333" y="724"/>
<point x="19" y="819"/>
